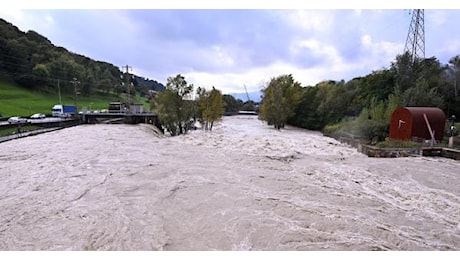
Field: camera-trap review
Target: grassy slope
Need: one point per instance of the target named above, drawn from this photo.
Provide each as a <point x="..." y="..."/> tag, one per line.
<point x="17" y="101"/>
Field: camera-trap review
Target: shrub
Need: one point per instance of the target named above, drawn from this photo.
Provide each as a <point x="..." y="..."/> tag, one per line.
<point x="391" y="143"/>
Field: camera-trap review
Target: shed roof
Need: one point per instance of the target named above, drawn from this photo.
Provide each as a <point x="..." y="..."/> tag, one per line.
<point x="419" y="111"/>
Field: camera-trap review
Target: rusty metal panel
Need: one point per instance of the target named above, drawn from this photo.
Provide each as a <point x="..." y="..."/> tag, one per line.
<point x="408" y="122"/>
<point x="401" y="124"/>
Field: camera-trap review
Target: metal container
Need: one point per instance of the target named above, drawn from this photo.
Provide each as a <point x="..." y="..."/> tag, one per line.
<point x="409" y="123"/>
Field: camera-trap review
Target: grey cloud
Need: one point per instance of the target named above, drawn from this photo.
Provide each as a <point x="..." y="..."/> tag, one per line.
<point x="166" y="42"/>
<point x="253" y="36"/>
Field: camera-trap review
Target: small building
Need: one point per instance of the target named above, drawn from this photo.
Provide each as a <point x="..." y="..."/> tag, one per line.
<point x="409" y="123"/>
<point x="117" y="107"/>
<point x="136" y="109"/>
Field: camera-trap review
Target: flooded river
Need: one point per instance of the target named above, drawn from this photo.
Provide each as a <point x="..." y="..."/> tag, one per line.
<point x="243" y="186"/>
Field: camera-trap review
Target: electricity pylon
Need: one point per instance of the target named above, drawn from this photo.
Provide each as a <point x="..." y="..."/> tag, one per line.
<point x="415" y="42"/>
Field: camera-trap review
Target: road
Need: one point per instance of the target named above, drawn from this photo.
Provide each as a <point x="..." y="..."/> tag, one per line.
<point x="40" y="121"/>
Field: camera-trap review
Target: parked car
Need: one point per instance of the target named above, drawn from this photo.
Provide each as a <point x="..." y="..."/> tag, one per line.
<point x="17" y="120"/>
<point x="38" y="116"/>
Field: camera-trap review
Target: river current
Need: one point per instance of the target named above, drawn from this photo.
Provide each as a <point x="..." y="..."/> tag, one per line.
<point x="242" y="186"/>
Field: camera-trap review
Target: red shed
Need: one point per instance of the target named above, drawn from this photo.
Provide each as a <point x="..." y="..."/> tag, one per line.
<point x="408" y="122"/>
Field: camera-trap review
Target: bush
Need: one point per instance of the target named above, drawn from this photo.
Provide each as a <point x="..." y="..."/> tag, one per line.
<point x="374" y="131"/>
<point x="333" y="129"/>
<point x="397" y="144"/>
<point x="369" y="130"/>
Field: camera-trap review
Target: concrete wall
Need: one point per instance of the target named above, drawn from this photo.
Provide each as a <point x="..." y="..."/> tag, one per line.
<point x="373" y="151"/>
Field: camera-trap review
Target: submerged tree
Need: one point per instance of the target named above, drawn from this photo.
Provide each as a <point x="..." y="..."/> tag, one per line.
<point x="174" y="106"/>
<point x="279" y="100"/>
<point x="211" y="107"/>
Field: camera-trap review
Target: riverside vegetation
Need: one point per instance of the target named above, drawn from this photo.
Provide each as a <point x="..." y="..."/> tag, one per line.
<point x="359" y="108"/>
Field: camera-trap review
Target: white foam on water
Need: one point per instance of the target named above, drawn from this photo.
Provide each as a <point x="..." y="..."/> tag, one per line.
<point x="243" y="186"/>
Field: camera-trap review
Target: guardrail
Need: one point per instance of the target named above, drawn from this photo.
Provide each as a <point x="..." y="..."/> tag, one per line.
<point x="28" y="133"/>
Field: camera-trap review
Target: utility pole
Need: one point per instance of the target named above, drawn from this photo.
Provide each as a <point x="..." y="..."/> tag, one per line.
<point x="59" y="91"/>
<point x="128" y="83"/>
<point x="415" y="41"/>
<point x="76" y="93"/>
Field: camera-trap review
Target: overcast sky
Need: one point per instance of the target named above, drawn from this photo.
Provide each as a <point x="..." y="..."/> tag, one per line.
<point x="232" y="48"/>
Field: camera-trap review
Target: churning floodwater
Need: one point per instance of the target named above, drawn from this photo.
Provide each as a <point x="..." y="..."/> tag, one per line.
<point x="243" y="186"/>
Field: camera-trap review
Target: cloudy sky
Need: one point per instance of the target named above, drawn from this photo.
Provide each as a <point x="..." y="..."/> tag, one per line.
<point x="230" y="48"/>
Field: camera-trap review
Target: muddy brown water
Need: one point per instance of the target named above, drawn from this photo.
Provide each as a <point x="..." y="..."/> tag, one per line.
<point x="243" y="186"/>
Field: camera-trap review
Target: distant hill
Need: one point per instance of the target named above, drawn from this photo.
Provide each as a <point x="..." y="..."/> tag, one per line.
<point x="33" y="62"/>
<point x="254" y="96"/>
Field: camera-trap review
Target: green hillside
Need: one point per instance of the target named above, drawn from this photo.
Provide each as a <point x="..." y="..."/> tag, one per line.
<point x="33" y="67"/>
<point x="17" y="101"/>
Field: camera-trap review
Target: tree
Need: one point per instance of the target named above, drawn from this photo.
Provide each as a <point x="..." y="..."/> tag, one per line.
<point x="306" y="115"/>
<point x="66" y="69"/>
<point x="422" y="96"/>
<point x="406" y="71"/>
<point x="41" y="75"/>
<point x="17" y="63"/>
<point x="335" y="99"/>
<point x="108" y="82"/>
<point x="174" y="106"/>
<point x="378" y="84"/>
<point x="248" y="106"/>
<point x="279" y="100"/>
<point x="166" y="107"/>
<point x="394" y="102"/>
<point x="211" y="107"/>
<point x="87" y="83"/>
<point x="232" y="104"/>
<point x="450" y="84"/>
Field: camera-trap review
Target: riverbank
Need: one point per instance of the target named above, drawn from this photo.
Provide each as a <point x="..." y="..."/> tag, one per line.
<point x="373" y="151"/>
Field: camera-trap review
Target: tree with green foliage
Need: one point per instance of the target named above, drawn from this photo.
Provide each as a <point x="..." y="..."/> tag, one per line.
<point x="406" y="71"/>
<point x="279" y="100"/>
<point x="32" y="61"/>
<point x="41" y="75"/>
<point x="211" y="107"/>
<point x="449" y="87"/>
<point x="306" y="114"/>
<point x="370" y="125"/>
<point x="166" y="106"/>
<point x="108" y="81"/>
<point x="174" y="106"/>
<point x="422" y="96"/>
<point x="335" y="100"/>
<point x="232" y="105"/>
<point x="87" y="84"/>
<point x="248" y="106"/>
<point x="394" y="102"/>
<point x="379" y="84"/>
